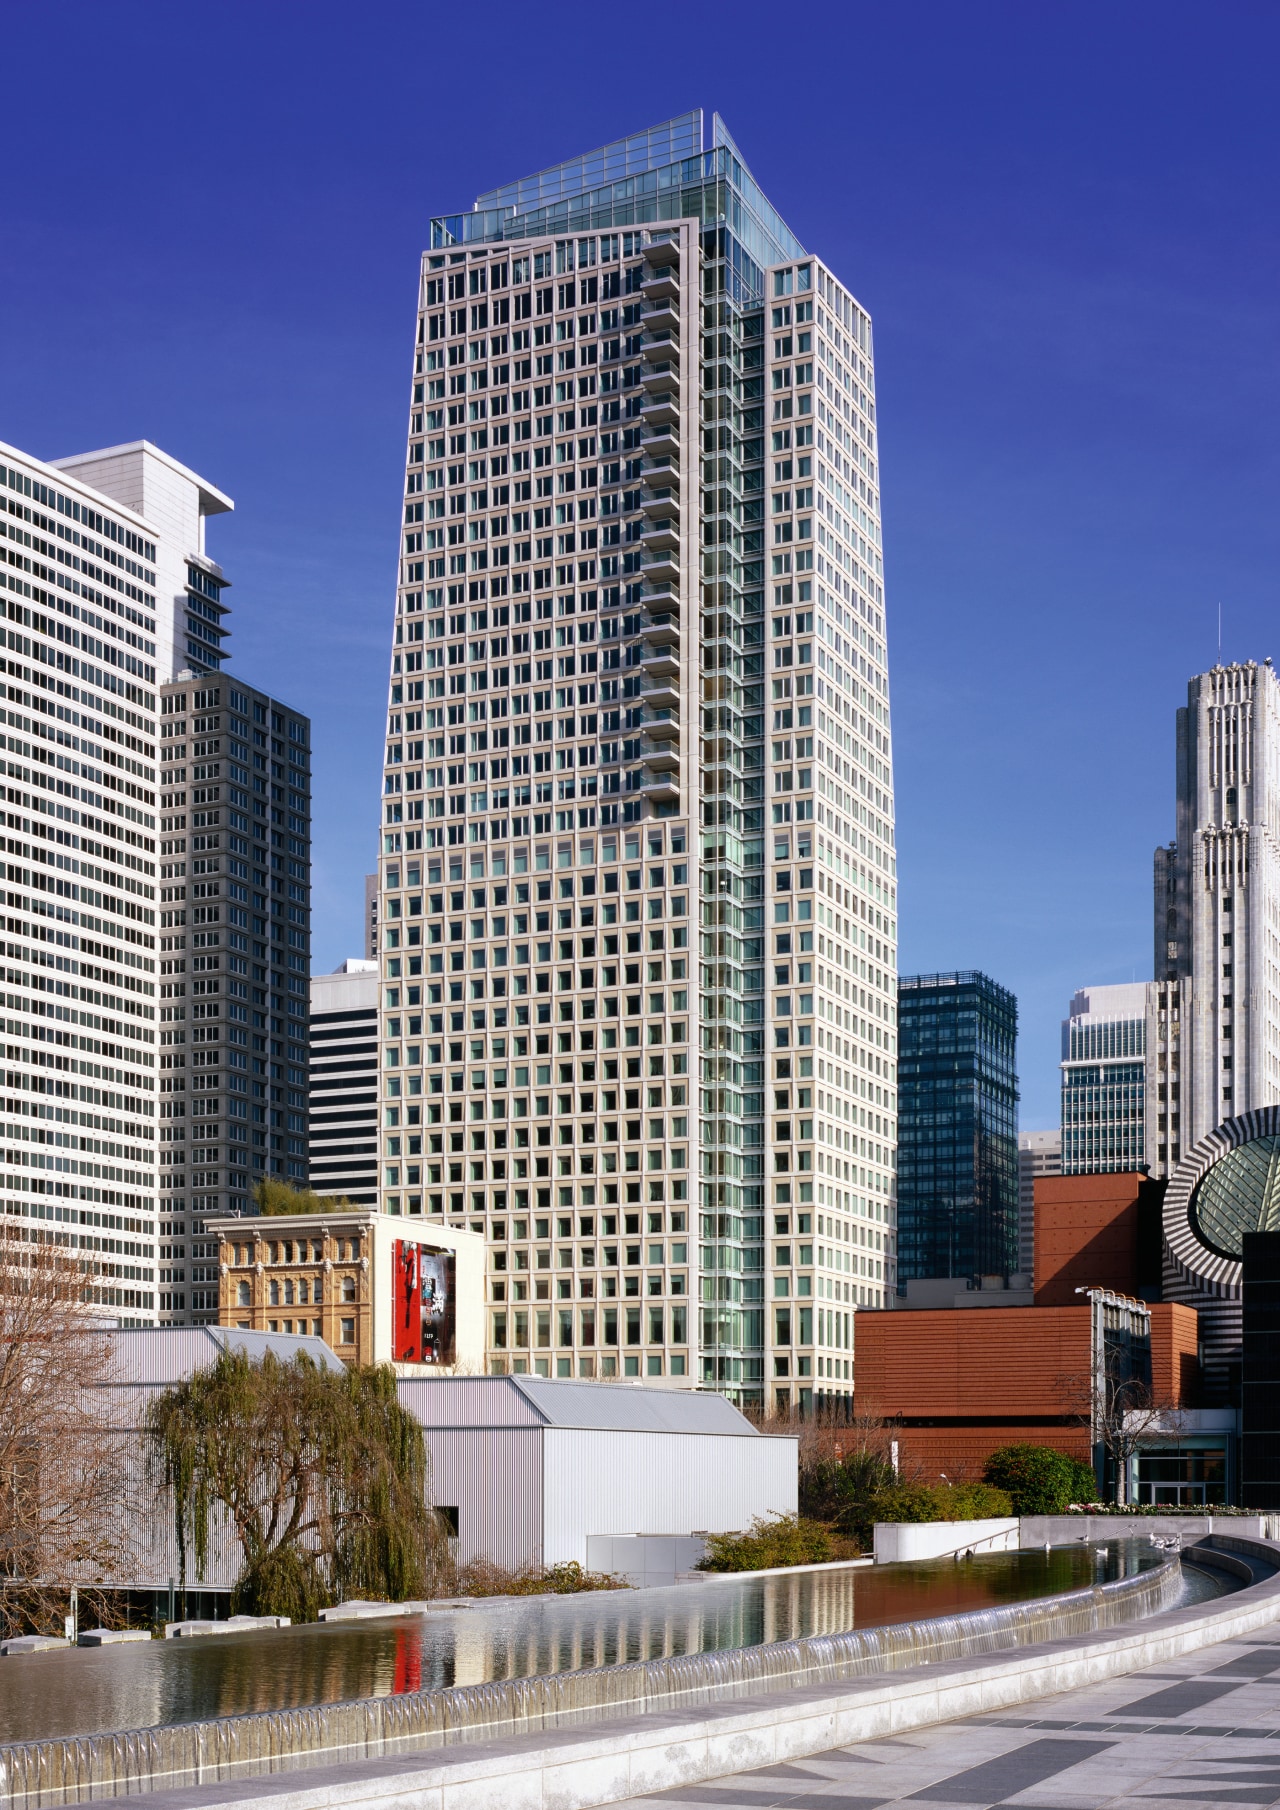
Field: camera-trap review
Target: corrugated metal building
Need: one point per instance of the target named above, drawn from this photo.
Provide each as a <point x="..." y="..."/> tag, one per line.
<point x="144" y="1361"/>
<point x="534" y="1467"/>
<point x="530" y="1468"/>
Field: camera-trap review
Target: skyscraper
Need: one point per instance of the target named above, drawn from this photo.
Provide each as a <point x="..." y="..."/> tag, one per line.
<point x="101" y="554"/>
<point x="235" y="946"/>
<point x="1217" y="902"/>
<point x="958" y="1127"/>
<point x="114" y="542"/>
<point x="638" y="905"/>
<point x="1104" y="1080"/>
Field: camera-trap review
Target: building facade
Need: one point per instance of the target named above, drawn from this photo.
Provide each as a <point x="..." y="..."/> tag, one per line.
<point x="958" y="1127"/>
<point x="235" y="945"/>
<point x="99" y="556"/>
<point x="1039" y="1153"/>
<point x="365" y="1282"/>
<point x="1217" y="902"/>
<point x="638" y="898"/>
<point x="1104" y="1080"/>
<point x="344" y="1083"/>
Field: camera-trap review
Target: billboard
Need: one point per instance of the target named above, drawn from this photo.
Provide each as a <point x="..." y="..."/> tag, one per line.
<point x="424" y="1330"/>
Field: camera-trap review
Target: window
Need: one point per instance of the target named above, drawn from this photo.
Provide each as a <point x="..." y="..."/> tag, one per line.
<point x="346" y="1332"/>
<point x="348" y="1288"/>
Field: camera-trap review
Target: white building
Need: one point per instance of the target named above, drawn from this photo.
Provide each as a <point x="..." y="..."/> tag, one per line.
<point x="638" y="908"/>
<point x="174" y="503"/>
<point x="527" y="1471"/>
<point x="97" y="552"/>
<point x="344" y="1082"/>
<point x="1039" y="1153"/>
<point x="545" y="1472"/>
<point x="1217" y="901"/>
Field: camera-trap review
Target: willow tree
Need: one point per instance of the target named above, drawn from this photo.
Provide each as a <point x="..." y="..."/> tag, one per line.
<point x="321" y="1475"/>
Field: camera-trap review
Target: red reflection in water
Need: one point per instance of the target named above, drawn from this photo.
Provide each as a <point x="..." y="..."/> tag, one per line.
<point x="408" y="1665"/>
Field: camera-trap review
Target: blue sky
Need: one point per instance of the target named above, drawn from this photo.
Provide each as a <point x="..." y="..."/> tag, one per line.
<point x="1063" y="219"/>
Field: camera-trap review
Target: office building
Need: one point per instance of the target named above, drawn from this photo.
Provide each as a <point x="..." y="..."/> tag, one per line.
<point x="1104" y="1080"/>
<point x="958" y="1127"/>
<point x="344" y="1083"/>
<point x="1039" y="1153"/>
<point x="235" y="943"/>
<point x="1217" y="903"/>
<point x="638" y="904"/>
<point x="186" y="587"/>
<point x="101" y="554"/>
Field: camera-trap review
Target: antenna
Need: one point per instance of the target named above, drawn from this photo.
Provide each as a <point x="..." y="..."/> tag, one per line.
<point x="1219" y="634"/>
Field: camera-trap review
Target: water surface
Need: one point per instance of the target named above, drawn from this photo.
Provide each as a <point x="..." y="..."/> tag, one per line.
<point x="93" y="1690"/>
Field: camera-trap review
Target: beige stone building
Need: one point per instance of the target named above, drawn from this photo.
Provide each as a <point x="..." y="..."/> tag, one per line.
<point x="374" y="1288"/>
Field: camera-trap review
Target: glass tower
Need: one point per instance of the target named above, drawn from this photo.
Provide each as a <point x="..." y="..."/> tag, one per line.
<point x="638" y="898"/>
<point x="958" y="1137"/>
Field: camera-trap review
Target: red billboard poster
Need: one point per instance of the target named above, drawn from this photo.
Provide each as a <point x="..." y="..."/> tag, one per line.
<point x="425" y="1330"/>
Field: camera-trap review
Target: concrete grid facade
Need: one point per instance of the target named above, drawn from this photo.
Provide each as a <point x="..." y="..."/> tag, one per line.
<point x="1217" y="909"/>
<point x="637" y="907"/>
<point x="235" y="942"/>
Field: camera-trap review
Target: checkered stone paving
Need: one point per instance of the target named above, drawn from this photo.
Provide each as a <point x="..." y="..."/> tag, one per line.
<point x="1200" y="1732"/>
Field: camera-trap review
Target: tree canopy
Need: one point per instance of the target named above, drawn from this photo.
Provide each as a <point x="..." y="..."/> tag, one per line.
<point x="322" y="1476"/>
<point x="273" y="1197"/>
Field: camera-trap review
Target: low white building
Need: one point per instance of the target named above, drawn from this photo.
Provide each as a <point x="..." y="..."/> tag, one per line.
<point x="534" y="1470"/>
<point x="527" y="1470"/>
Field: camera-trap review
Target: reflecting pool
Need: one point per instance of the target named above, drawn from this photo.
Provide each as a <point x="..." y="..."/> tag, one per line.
<point x="93" y="1690"/>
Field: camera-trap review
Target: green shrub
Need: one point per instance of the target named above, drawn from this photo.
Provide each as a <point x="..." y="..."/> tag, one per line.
<point x="1084" y="1484"/>
<point x="922" y="1502"/>
<point x="1039" y="1480"/>
<point x="769" y="1542"/>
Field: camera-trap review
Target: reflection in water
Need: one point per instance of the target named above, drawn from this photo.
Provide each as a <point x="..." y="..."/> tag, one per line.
<point x="94" y="1690"/>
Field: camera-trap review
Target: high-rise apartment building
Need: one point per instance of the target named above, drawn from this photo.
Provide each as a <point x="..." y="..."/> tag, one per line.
<point x="638" y="905"/>
<point x="344" y="1083"/>
<point x="1217" y="907"/>
<point x="1039" y="1153"/>
<point x="235" y="942"/>
<point x="100" y="554"/>
<point x="1104" y="1080"/>
<point x="957" y="1127"/>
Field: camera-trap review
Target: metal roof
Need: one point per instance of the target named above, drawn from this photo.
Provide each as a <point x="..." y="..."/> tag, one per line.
<point x="630" y="1408"/>
<point x="165" y="1354"/>
<point x="532" y="1401"/>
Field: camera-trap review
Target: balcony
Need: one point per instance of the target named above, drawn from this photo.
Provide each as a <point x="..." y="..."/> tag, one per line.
<point x="662" y="760"/>
<point x="663" y="285"/>
<point x="661" y="536"/>
<point x="661" y="412"/>
<point x="663" y="631"/>
<point x="662" y="317"/>
<point x="662" y="375"/>
<point x="662" y="663"/>
<point x="662" y="471"/>
<point x="664" y="789"/>
<point x="663" y="566"/>
<point x="664" y="695"/>
<point x="662" y="251"/>
<point x="662" y="503"/>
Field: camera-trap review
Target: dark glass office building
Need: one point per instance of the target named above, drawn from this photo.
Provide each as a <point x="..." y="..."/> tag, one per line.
<point x="957" y="1127"/>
